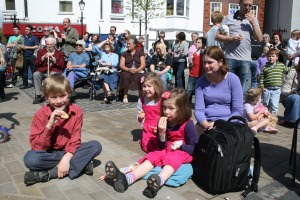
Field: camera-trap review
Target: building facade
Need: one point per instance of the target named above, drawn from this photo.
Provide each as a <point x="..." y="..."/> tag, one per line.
<point x="230" y="7"/>
<point x="282" y="16"/>
<point x="99" y="15"/>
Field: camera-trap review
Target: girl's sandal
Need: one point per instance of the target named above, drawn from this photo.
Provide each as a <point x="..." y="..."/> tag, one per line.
<point x="125" y="101"/>
<point x="105" y="100"/>
<point x="108" y="95"/>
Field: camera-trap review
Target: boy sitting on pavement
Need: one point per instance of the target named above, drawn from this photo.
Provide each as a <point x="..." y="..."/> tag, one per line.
<point x="55" y="137"/>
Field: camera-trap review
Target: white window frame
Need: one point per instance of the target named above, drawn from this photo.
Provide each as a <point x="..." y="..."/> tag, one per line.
<point x="235" y="6"/>
<point x="185" y="6"/>
<point x="65" y="12"/>
<point x="6" y="5"/>
<point x="255" y="8"/>
<point x="212" y="10"/>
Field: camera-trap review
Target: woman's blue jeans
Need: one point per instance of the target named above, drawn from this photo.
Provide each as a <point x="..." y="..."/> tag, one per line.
<point x="179" y="74"/>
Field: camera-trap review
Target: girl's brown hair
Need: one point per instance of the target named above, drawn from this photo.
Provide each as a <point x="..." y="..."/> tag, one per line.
<point x="181" y="100"/>
<point x="217" y="54"/>
<point x="56" y="84"/>
<point x="154" y="79"/>
<point x="252" y="95"/>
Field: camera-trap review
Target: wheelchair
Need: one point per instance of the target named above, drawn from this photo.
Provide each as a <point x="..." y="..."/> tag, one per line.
<point x="87" y="82"/>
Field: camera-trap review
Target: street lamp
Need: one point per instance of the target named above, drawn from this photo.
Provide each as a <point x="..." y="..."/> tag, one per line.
<point x="81" y="6"/>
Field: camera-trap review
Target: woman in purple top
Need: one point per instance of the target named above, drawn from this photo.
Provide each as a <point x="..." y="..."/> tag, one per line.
<point x="219" y="92"/>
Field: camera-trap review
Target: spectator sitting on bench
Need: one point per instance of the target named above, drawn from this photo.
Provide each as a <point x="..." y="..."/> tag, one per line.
<point x="78" y="65"/>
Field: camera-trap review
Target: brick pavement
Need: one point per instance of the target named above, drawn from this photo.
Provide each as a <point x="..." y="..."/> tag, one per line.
<point x="117" y="130"/>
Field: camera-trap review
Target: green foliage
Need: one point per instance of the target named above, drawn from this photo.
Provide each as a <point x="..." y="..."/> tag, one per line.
<point x="146" y="9"/>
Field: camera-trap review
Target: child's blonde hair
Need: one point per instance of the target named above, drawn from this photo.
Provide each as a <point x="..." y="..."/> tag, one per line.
<point x="163" y="49"/>
<point x="56" y="84"/>
<point x="295" y="33"/>
<point x="154" y="79"/>
<point x="181" y="100"/>
<point x="216" y="17"/>
<point x="252" y="95"/>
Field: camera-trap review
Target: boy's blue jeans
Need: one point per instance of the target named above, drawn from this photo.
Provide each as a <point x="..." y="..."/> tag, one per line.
<point x="41" y="160"/>
<point x="271" y="98"/>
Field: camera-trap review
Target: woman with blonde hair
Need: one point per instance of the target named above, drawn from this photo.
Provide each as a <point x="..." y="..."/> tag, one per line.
<point x="161" y="64"/>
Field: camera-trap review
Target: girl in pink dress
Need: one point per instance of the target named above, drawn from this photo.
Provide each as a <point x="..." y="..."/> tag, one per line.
<point x="149" y="109"/>
<point x="176" y="139"/>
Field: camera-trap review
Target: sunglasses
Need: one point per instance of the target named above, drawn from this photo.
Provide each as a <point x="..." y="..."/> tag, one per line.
<point x="46" y="30"/>
<point x="79" y="45"/>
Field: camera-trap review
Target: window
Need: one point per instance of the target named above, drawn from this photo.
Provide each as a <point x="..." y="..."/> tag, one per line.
<point x="170" y="7"/>
<point x="178" y="7"/>
<point x="10" y="4"/>
<point x="233" y="7"/>
<point x="117" y="6"/>
<point x="215" y="6"/>
<point x="65" y="6"/>
<point x="254" y="10"/>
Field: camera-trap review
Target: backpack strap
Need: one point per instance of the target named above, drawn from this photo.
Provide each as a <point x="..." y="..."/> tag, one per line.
<point x="256" y="170"/>
<point x="257" y="165"/>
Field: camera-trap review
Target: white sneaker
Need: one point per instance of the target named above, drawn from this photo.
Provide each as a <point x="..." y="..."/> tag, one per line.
<point x="29" y="81"/>
<point x="11" y="85"/>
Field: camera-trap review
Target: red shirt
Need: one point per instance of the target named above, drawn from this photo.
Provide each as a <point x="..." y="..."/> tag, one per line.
<point x="64" y="135"/>
<point x="42" y="65"/>
<point x="196" y="69"/>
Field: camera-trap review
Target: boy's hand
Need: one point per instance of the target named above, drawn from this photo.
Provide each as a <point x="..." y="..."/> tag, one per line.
<point x="162" y="128"/>
<point x="55" y="116"/>
<point x="64" y="165"/>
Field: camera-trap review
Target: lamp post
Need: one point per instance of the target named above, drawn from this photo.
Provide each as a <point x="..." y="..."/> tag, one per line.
<point x="81" y="6"/>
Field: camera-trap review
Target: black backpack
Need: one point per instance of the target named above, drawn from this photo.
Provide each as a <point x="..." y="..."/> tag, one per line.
<point x="222" y="158"/>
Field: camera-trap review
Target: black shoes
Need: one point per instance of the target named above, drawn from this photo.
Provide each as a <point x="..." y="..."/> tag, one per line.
<point x="120" y="182"/>
<point x="89" y="169"/>
<point x="22" y="87"/>
<point x="153" y="183"/>
<point x="38" y="99"/>
<point x="32" y="177"/>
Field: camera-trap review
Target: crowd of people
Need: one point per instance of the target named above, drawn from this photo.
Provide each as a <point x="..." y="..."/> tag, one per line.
<point x="220" y="72"/>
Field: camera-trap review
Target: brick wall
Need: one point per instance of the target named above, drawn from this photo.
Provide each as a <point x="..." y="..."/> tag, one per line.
<point x="225" y="7"/>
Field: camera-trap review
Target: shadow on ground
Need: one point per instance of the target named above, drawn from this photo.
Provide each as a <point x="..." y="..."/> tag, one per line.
<point x="9" y="117"/>
<point x="136" y="134"/>
<point x="275" y="163"/>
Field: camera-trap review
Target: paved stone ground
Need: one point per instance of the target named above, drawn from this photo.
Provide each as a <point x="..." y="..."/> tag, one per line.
<point x="115" y="126"/>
